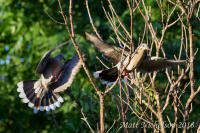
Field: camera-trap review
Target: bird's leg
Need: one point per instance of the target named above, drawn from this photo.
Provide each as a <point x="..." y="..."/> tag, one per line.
<point x="56" y="76"/>
<point x="125" y="74"/>
<point x="175" y="91"/>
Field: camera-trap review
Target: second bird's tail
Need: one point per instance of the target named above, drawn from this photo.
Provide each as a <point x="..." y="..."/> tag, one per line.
<point x="108" y="75"/>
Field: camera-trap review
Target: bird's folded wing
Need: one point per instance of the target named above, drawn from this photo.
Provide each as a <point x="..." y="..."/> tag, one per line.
<point x="43" y="62"/>
<point x="110" y="52"/>
<point x="151" y="64"/>
<point x="69" y="71"/>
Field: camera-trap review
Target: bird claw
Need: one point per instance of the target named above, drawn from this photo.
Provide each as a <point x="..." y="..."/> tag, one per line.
<point x="175" y="91"/>
<point x="57" y="78"/>
<point x="125" y="74"/>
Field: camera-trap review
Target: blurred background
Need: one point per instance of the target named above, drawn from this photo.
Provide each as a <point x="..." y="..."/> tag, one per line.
<point x="27" y="32"/>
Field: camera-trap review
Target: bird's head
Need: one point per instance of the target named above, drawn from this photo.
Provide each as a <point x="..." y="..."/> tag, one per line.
<point x="60" y="57"/>
<point x="144" y="46"/>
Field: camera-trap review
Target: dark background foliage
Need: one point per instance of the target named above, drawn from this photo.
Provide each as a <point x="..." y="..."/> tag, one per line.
<point x="26" y="33"/>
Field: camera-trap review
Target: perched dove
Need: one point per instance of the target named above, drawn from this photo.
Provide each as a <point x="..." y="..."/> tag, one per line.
<point x="42" y="94"/>
<point x="120" y="57"/>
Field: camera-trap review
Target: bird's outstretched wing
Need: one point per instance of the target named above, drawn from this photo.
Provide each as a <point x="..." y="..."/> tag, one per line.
<point x="151" y="64"/>
<point x="112" y="53"/>
<point x="46" y="57"/>
<point x="67" y="75"/>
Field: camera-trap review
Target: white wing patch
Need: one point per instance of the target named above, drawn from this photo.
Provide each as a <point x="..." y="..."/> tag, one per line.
<point x="155" y="58"/>
<point x="111" y="83"/>
<point x="96" y="74"/>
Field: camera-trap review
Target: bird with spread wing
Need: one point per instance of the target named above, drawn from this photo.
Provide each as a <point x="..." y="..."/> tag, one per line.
<point x="121" y="57"/>
<point x="43" y="94"/>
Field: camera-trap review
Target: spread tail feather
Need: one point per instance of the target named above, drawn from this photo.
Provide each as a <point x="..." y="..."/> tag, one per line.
<point x="37" y="97"/>
<point x="108" y="75"/>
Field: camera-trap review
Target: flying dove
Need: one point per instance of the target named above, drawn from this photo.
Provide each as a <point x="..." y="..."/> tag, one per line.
<point x="121" y="56"/>
<point x="42" y="94"/>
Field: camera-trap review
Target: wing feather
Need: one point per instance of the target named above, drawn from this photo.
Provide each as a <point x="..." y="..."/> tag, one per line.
<point x="45" y="59"/>
<point x="112" y="53"/>
<point x="69" y="71"/>
<point x="151" y="64"/>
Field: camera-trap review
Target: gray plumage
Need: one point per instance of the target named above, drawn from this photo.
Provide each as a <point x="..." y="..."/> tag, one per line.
<point x="54" y="77"/>
<point x="151" y="64"/>
<point x="47" y="57"/>
<point x="69" y="71"/>
<point x="118" y="55"/>
<point x="139" y="59"/>
<point x="110" y="52"/>
<point x="136" y="58"/>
